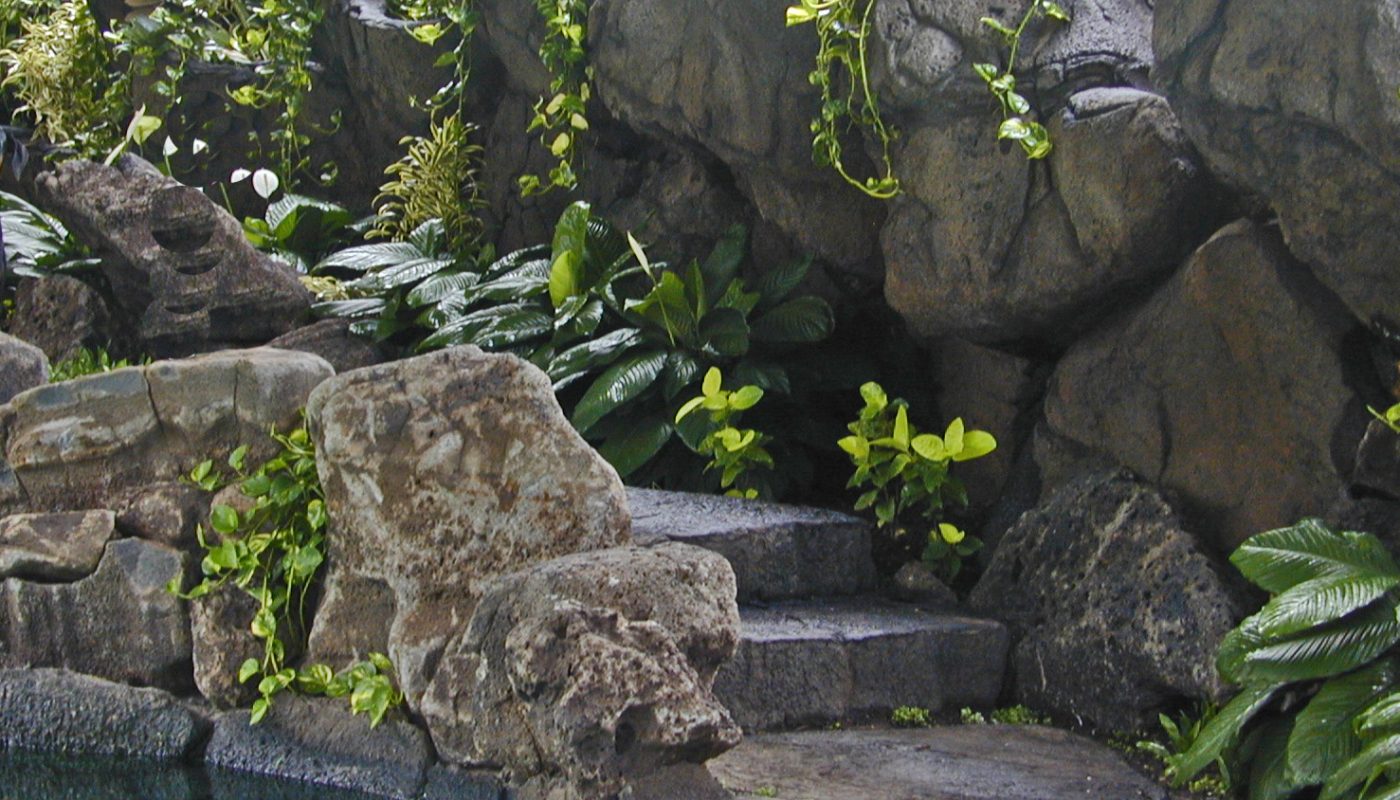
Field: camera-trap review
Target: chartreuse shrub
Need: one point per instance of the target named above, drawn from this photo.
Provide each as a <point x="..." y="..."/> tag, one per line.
<point x="273" y="552"/>
<point x="905" y="476"/>
<point x="1318" y="712"/>
<point x="434" y="180"/>
<point x="736" y="453"/>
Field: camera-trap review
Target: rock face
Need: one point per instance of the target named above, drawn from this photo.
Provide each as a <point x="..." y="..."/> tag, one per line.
<point x="165" y="512"/>
<point x="54" y="547"/>
<point x="332" y="340"/>
<point x="58" y="712"/>
<point x="591" y="670"/>
<point x="59" y="314"/>
<point x="88" y="443"/>
<point x="442" y="472"/>
<point x="1296" y="106"/>
<point x="1227" y="388"/>
<point x="22" y="366"/>
<point x="221" y="642"/>
<point x="118" y="623"/>
<point x="1378" y="461"/>
<point x="179" y="264"/>
<point x="1114" y="609"/>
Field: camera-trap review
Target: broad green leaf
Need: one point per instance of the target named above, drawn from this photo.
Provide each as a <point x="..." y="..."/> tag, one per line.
<point x="369" y="256"/>
<point x="223" y="519"/>
<point x="681" y="370"/>
<point x="801" y="320"/>
<point x="975" y="445"/>
<point x="930" y="446"/>
<point x="726" y="332"/>
<point x="745" y="398"/>
<point x="439" y="286"/>
<point x="713" y="382"/>
<point x="1222" y="731"/>
<point x="1323" y="738"/>
<point x="1320" y="601"/>
<point x="722" y="264"/>
<point x="775" y="284"/>
<point x="1379" y="754"/>
<point x="1268" y="774"/>
<point x="509" y="330"/>
<point x="874" y="396"/>
<point x="571" y="232"/>
<point x="953" y="437"/>
<point x="620" y="383"/>
<point x="901" y="429"/>
<point x="581" y="358"/>
<point x="1383" y="717"/>
<point x="766" y="375"/>
<point x="690" y="405"/>
<point x="1280" y="559"/>
<point x="636" y="445"/>
<point x="404" y="274"/>
<point x="1324" y="651"/>
<point x="249" y="668"/>
<point x="565" y="277"/>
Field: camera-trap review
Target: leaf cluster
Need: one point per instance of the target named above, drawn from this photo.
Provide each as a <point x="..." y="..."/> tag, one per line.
<point x="906" y="473"/>
<point x="734" y="452"/>
<point x="1319" y="704"/>
<point x="301" y="230"/>
<point x="561" y="117"/>
<point x="37" y="244"/>
<point x="1016" y="123"/>
<point x="89" y="362"/>
<point x="843" y="33"/>
<point x="435" y="179"/>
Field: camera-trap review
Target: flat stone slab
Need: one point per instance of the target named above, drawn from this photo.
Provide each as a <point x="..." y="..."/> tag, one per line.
<point x="964" y="762"/>
<point x="777" y="551"/>
<point x="64" y="546"/>
<point x="805" y="663"/>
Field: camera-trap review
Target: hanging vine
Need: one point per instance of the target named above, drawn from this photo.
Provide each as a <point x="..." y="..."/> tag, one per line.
<point x="1016" y="123"/>
<point x="561" y="117"/>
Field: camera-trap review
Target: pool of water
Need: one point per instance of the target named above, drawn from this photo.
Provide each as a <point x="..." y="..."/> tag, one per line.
<point x="35" y="776"/>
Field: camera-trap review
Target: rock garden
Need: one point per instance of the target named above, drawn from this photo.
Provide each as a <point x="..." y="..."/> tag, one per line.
<point x="684" y="399"/>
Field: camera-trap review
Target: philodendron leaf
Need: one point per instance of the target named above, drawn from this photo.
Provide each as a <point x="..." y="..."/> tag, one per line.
<point x="1323" y="737"/>
<point x="636" y="445"/>
<point x="1279" y="559"/>
<point x="620" y="383"/>
<point x="722" y="264"/>
<point x="801" y="320"/>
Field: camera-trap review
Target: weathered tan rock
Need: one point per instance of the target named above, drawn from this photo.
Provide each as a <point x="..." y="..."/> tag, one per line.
<point x="22" y="366"/>
<point x="54" y="547"/>
<point x="442" y="472"/>
<point x="177" y="263"/>
<point x="585" y="672"/>
<point x="1115" y="610"/>
<point x="118" y="623"/>
<point x="90" y="442"/>
<point x="1227" y="389"/>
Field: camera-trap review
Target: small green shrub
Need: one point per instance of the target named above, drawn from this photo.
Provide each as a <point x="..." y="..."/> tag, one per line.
<point x="1181" y="735"/>
<point x="911" y="717"/>
<point x="273" y="552"/>
<point x="1319" y="703"/>
<point x="88" y="362"/>
<point x="435" y="180"/>
<point x="906" y="473"/>
<point x="1016" y="123"/>
<point x="300" y="230"/>
<point x="970" y="717"/>
<point x="1018" y="715"/>
<point x="735" y="453"/>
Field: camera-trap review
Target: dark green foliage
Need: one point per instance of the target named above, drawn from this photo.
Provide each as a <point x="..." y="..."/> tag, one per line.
<point x="301" y="230"/>
<point x="1320" y="697"/>
<point x="89" y="362"/>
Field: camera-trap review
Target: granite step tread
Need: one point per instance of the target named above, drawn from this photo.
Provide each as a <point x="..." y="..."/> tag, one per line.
<point x="813" y="662"/>
<point x="777" y="551"/>
<point x="961" y="762"/>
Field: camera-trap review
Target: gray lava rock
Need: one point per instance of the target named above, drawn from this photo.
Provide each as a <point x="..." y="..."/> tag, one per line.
<point x="54" y="711"/>
<point x="165" y="513"/>
<point x="587" y="672"/>
<point x="442" y="472"/>
<point x="317" y="740"/>
<point x="178" y="263"/>
<point x="54" y="547"/>
<point x="1115" y="610"/>
<point x="118" y="623"/>
<point x="1294" y="104"/>
<point x="90" y="442"/>
<point x="332" y="340"/>
<point x="22" y="366"/>
<point x="60" y="314"/>
<point x="1227" y="389"/>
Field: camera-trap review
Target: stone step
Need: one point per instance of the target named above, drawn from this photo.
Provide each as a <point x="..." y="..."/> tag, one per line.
<point x="777" y="551"/>
<point x="961" y="762"/>
<point x="802" y="663"/>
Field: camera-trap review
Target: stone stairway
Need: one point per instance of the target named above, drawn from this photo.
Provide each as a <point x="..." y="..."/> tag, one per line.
<point x="817" y="645"/>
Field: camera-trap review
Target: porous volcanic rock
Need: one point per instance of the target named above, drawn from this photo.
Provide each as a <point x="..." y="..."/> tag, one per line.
<point x="59" y="314"/>
<point x="1115" y="610"/>
<point x="442" y="472"/>
<point x="1227" y="388"/>
<point x="586" y="672"/>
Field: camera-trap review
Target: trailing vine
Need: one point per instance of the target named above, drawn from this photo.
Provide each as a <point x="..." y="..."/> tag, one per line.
<point x="273" y="552"/>
<point x="1015" y="108"/>
<point x="561" y="116"/>
<point x="843" y="32"/>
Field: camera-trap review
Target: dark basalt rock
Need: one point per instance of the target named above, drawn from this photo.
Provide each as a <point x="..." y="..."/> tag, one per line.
<point x="59" y="314"/>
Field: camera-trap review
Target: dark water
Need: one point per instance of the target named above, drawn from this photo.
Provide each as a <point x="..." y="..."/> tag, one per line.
<point x="29" y="776"/>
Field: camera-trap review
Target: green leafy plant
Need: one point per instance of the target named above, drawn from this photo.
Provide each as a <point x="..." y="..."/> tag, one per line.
<point x="1319" y="700"/>
<point x="843" y="32"/>
<point x="89" y="362"/>
<point x="561" y="117"/>
<point x="300" y="230"/>
<point x="906" y="473"/>
<point x="37" y="244"/>
<point x="435" y="180"/>
<point x="735" y="453"/>
<point x="1181" y="734"/>
<point x="910" y="717"/>
<point x="1018" y="715"/>
<point x="1016" y="123"/>
<point x="1391" y="417"/>
<point x="272" y="551"/>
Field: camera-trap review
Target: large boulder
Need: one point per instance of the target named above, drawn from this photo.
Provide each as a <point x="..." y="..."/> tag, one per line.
<point x="332" y="340"/>
<point x="22" y="366"/>
<point x="1227" y="388"/>
<point x="178" y="264"/>
<point x="1115" y="610"/>
<point x="592" y="670"/>
<point x="442" y="472"/>
<point x="1297" y="103"/>
<point x="119" y="623"/>
<point x="60" y="314"/>
<point x="54" y="547"/>
<point x="986" y="245"/>
<point x="90" y="442"/>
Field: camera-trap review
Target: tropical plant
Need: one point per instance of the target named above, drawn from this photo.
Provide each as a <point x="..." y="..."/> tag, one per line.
<point x="911" y="717"/>
<point x="1319" y="699"/>
<point x="300" y="230"/>
<point x="1391" y="416"/>
<point x="561" y="117"/>
<point x="435" y="179"/>
<point x="1181" y="734"/>
<point x="273" y="551"/>
<point x="37" y="244"/>
<point x="735" y="453"/>
<point x="907" y="476"/>
<point x="89" y="362"/>
<point x="843" y="33"/>
<point x="1016" y="123"/>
